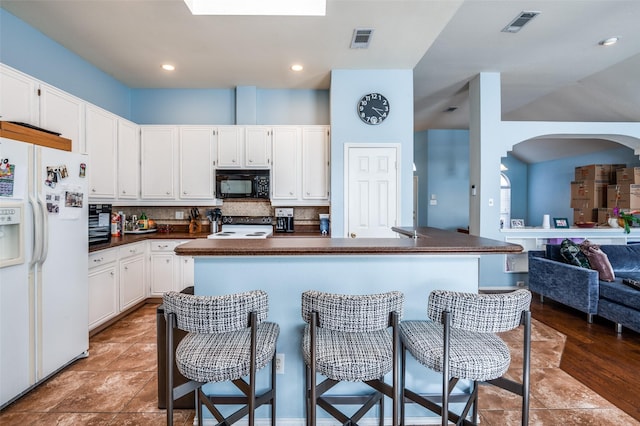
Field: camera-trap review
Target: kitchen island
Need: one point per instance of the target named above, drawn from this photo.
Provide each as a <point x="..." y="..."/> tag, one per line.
<point x="285" y="267"/>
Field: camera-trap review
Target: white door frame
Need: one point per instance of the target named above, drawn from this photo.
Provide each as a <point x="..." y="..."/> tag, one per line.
<point x="347" y="147"/>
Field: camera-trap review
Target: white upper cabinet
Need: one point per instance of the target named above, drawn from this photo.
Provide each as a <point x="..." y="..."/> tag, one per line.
<point x="19" y="101"/>
<point x="230" y="147"/>
<point x="300" y="170"/>
<point x="158" y="150"/>
<point x="197" y="162"/>
<point x="102" y="146"/>
<point x="244" y="147"/>
<point x="128" y="160"/>
<point x="28" y="100"/>
<point x="257" y="143"/>
<point x="315" y="163"/>
<point x="285" y="171"/>
<point x="63" y="113"/>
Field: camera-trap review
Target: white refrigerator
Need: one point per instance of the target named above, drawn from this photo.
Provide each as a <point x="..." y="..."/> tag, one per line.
<point x="43" y="264"/>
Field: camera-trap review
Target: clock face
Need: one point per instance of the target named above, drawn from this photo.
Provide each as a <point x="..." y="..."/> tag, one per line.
<point x="373" y="108"/>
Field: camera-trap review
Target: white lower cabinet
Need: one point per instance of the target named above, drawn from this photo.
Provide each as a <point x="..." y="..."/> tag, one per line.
<point x="132" y="274"/>
<point x="169" y="272"/>
<point x="121" y="277"/>
<point x="117" y="281"/>
<point x="186" y="272"/>
<point x="103" y="286"/>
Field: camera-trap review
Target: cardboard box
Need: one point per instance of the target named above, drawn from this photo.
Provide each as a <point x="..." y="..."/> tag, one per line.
<point x="619" y="196"/>
<point x="628" y="175"/>
<point x="601" y="216"/>
<point x="601" y="172"/>
<point x="582" y="215"/>
<point x="634" y="197"/>
<point x="588" y="194"/>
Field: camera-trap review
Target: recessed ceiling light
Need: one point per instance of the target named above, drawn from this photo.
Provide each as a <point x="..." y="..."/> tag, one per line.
<point x="296" y="67"/>
<point x="609" y="41"/>
<point x="168" y="67"/>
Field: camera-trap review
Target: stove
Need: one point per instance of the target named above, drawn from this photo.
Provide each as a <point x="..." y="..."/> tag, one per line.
<point x="244" y="227"/>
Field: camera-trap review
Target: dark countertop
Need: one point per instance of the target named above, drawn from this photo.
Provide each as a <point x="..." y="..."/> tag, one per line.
<point x="134" y="238"/>
<point x="184" y="235"/>
<point x="429" y="241"/>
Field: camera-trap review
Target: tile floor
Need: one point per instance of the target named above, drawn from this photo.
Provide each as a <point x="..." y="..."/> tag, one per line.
<point x="116" y="385"/>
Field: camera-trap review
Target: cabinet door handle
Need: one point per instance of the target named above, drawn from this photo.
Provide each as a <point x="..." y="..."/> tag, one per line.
<point x="126" y="268"/>
<point x="168" y="260"/>
<point x="124" y="192"/>
<point x="353" y="235"/>
<point x="111" y="273"/>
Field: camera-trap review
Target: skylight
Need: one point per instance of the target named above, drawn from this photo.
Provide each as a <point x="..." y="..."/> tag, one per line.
<point x="258" y="7"/>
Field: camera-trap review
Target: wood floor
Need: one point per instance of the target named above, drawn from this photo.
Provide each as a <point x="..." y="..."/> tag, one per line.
<point x="594" y="354"/>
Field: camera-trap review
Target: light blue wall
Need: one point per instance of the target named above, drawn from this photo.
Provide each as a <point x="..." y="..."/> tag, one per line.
<point x="549" y="182"/>
<point x="229" y="106"/>
<point x="447" y="179"/>
<point x="303" y="107"/>
<point x="347" y="87"/>
<point x="28" y="50"/>
<point x="183" y="106"/>
<point x="442" y="163"/>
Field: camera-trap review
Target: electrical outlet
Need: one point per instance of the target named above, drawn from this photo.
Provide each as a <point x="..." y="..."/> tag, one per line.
<point x="279" y="363"/>
<point x="179" y="215"/>
<point x="520" y="283"/>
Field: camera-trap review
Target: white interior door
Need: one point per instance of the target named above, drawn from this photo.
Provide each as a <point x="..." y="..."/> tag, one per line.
<point x="372" y="191"/>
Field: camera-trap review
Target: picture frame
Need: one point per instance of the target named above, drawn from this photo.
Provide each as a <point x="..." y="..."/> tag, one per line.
<point x="560" y="222"/>
<point x="517" y="223"/>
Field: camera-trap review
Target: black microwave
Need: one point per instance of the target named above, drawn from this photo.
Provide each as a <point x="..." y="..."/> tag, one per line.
<point x="242" y="184"/>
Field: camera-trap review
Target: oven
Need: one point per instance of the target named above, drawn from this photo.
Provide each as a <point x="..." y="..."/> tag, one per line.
<point x="242" y="184"/>
<point x="99" y="223"/>
<point x="244" y="227"/>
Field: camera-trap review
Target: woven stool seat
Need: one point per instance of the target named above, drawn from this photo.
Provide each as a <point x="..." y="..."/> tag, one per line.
<point x="228" y="340"/>
<point x="224" y="356"/>
<point x="459" y="341"/>
<point x="473" y="356"/>
<point x="353" y="357"/>
<point x="351" y="338"/>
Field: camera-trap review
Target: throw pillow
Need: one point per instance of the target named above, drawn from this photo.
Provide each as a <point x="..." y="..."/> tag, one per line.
<point x="598" y="260"/>
<point x="571" y="254"/>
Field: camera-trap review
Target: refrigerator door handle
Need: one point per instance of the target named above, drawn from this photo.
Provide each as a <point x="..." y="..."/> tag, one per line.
<point x="37" y="232"/>
<point x="45" y="231"/>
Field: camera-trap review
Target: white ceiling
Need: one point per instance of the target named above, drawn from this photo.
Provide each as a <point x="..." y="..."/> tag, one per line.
<point x="553" y="69"/>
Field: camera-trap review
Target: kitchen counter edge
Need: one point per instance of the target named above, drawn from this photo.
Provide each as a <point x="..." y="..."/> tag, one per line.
<point x="428" y="241"/>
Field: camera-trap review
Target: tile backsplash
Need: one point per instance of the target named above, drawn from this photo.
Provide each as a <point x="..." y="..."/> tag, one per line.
<point x="167" y="215"/>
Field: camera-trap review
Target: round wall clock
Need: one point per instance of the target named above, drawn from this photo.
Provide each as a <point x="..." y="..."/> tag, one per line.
<point x="373" y="108"/>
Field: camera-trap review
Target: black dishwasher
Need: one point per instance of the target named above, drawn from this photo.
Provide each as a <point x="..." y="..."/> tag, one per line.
<point x="187" y="401"/>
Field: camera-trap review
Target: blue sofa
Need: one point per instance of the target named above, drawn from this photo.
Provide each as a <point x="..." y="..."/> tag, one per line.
<point x="581" y="289"/>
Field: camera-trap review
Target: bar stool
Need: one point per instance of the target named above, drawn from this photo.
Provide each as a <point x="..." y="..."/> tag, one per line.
<point x="229" y="338"/>
<point x="347" y="339"/>
<point x="460" y="342"/>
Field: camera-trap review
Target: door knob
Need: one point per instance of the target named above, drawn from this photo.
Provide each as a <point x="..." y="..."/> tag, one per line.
<point x="353" y="235"/>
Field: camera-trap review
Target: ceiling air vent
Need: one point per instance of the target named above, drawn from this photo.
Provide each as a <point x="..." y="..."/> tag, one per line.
<point x="520" y="21"/>
<point x="361" y="38"/>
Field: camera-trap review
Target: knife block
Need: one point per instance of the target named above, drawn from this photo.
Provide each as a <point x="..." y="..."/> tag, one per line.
<point x="195" y="227"/>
